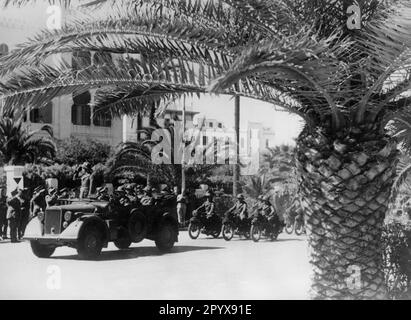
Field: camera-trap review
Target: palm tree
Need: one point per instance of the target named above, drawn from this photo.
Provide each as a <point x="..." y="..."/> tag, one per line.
<point x="19" y="145"/>
<point x="345" y="82"/>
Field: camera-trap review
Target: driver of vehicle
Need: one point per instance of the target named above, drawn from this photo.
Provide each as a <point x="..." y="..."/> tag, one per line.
<point x="208" y="209"/>
<point x="268" y="211"/>
<point x="147" y="199"/>
<point x="239" y="209"/>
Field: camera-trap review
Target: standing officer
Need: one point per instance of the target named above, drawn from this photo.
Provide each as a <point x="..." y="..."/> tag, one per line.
<point x="84" y="173"/>
<point x="3" y="214"/>
<point x="13" y="214"/>
<point x="25" y="212"/>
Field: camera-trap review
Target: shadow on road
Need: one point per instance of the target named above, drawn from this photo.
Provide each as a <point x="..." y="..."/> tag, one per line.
<point x="138" y="252"/>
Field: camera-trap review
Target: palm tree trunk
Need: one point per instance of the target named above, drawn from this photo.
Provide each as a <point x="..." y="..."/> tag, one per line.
<point x="345" y="181"/>
<point x="236" y="167"/>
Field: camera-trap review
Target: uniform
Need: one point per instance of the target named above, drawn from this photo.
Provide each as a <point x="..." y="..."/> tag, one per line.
<point x="37" y="203"/>
<point x="3" y="217"/>
<point x="13" y="215"/>
<point x="239" y="209"/>
<point x="24" y="216"/>
<point x="208" y="208"/>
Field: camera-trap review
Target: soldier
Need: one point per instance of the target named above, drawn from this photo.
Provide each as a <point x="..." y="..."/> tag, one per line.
<point x="13" y="214"/>
<point x="3" y="214"/>
<point x="208" y="208"/>
<point x="147" y="199"/>
<point x="181" y="208"/>
<point x="269" y="212"/>
<point x="38" y="201"/>
<point x="52" y="197"/>
<point x="84" y="173"/>
<point x="240" y="208"/>
<point x="25" y="212"/>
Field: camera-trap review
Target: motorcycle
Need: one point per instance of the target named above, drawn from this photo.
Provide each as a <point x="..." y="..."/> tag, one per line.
<point x="233" y="225"/>
<point x="261" y="227"/>
<point x="200" y="224"/>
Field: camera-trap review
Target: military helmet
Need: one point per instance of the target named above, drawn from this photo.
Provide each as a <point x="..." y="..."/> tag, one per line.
<point x="240" y="197"/>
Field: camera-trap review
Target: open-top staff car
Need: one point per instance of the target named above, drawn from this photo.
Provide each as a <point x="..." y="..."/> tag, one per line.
<point x="89" y="225"/>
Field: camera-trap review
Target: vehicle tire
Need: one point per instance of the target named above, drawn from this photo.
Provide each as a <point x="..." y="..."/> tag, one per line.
<point x="41" y="250"/>
<point x="216" y="233"/>
<point x="166" y="237"/>
<point x="298" y="229"/>
<point x="124" y="241"/>
<point x="137" y="227"/>
<point x="90" y="244"/>
<point x="289" y="228"/>
<point x="194" y="230"/>
<point x="255" y="233"/>
<point x="228" y="232"/>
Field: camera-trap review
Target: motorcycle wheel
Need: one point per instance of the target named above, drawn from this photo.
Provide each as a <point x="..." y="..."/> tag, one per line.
<point x="194" y="230"/>
<point x="289" y="228"/>
<point x="216" y="233"/>
<point x="298" y="229"/>
<point x="228" y="232"/>
<point x="255" y="233"/>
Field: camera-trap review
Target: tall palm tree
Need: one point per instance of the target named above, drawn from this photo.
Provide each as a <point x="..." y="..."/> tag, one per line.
<point x="19" y="145"/>
<point x="303" y="55"/>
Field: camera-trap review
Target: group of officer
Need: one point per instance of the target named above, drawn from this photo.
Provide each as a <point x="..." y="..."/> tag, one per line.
<point x="17" y="209"/>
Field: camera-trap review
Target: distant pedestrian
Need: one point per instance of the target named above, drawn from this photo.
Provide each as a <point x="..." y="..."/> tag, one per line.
<point x="13" y="214"/>
<point x="181" y="208"/>
<point x="3" y="214"/>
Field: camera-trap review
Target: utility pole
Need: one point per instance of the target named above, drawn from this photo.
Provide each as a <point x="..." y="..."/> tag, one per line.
<point x="183" y="173"/>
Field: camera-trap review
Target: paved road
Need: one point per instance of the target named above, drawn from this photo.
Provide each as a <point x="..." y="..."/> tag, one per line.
<point x="196" y="269"/>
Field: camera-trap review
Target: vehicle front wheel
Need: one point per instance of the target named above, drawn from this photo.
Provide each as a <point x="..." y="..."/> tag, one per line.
<point x="90" y="244"/>
<point x="166" y="237"/>
<point x="41" y="250"/>
<point x="289" y="228"/>
<point x="194" y="230"/>
<point x="228" y="232"/>
<point x="255" y="233"/>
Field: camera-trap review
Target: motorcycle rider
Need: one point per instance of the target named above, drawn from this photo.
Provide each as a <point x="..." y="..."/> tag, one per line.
<point x="269" y="212"/>
<point x="208" y="209"/>
<point x="239" y="210"/>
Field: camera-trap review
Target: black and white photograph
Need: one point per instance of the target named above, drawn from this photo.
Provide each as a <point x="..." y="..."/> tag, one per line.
<point x="191" y="151"/>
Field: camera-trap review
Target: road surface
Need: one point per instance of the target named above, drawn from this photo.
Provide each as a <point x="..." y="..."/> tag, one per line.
<point x="196" y="269"/>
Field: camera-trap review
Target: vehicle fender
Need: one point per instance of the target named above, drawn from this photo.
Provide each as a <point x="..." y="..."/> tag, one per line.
<point x="73" y="230"/>
<point x="33" y="229"/>
<point x="92" y="220"/>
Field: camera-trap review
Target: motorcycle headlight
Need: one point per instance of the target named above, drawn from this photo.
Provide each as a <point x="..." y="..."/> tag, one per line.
<point x="68" y="215"/>
<point x="41" y="215"/>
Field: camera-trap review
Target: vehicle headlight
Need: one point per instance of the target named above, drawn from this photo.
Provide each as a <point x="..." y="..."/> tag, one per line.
<point x="65" y="224"/>
<point x="41" y="215"/>
<point x="68" y="215"/>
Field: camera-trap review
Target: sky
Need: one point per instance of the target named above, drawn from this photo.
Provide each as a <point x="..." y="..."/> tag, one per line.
<point x="17" y="24"/>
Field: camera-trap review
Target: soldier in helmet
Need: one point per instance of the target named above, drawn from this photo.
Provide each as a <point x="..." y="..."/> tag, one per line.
<point x="208" y="208"/>
<point x="239" y="209"/>
<point x="268" y="211"/>
<point x="147" y="199"/>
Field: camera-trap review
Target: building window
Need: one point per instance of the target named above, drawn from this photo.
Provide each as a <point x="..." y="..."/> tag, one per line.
<point x="102" y="120"/>
<point x="42" y="115"/>
<point x="220" y="125"/>
<point x="205" y="140"/>
<point x="80" y="111"/>
<point x="267" y="144"/>
<point x="210" y="124"/>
